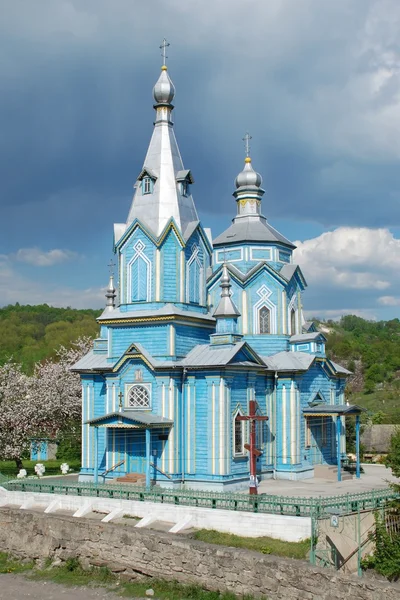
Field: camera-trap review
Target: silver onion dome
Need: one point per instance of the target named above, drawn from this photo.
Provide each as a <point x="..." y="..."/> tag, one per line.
<point x="164" y="90"/>
<point x="248" y="176"/>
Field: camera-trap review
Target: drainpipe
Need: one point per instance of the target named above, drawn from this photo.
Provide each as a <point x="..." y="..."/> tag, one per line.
<point x="183" y="433"/>
<point x="275" y="396"/>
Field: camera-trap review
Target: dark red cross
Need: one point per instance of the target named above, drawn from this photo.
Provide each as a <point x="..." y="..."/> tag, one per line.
<point x="254" y="452"/>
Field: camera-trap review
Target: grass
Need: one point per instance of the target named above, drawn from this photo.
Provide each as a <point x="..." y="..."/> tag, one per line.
<point x="8" y="467"/>
<point x="265" y="545"/>
<point x="71" y="573"/>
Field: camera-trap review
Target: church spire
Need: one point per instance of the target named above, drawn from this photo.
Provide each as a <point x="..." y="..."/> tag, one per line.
<point x="162" y="189"/>
<point x="226" y="314"/>
<point x="111" y="291"/>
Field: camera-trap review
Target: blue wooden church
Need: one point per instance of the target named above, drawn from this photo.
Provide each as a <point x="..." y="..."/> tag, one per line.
<point x="196" y="330"/>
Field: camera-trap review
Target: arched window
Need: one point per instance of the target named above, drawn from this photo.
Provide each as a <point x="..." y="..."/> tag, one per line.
<point x="264" y="320"/>
<point x="194" y="273"/>
<point x="239" y="435"/>
<point x="138" y="397"/>
<point x="139" y="275"/>
<point x="292" y="321"/>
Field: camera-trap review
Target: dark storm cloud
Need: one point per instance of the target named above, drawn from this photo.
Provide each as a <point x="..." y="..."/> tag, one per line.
<point x="316" y="83"/>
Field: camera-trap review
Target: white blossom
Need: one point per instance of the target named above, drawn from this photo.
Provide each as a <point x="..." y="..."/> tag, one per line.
<point x="40" y="469"/>
<point x="64" y="468"/>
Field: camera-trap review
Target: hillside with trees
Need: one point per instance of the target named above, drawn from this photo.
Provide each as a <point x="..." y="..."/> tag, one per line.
<point x="30" y="334"/>
<point x="370" y="349"/>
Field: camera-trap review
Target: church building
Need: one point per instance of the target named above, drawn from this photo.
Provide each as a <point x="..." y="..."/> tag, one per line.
<point x="198" y="330"/>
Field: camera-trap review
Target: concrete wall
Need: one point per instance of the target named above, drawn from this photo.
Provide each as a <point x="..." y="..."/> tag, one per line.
<point x="128" y="550"/>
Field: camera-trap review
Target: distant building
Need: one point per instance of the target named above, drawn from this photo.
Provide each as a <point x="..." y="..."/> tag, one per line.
<point x="197" y="329"/>
<point x="43" y="449"/>
<point x="376" y="438"/>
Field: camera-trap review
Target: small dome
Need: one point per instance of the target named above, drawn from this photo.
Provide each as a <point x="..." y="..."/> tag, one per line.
<point x="164" y="90"/>
<point x="248" y="176"/>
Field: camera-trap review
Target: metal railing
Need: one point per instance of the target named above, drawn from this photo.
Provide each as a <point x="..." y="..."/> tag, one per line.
<point x="263" y="503"/>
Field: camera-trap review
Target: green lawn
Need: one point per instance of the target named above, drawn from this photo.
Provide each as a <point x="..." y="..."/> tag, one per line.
<point x="8" y="467"/>
<point x="266" y="545"/>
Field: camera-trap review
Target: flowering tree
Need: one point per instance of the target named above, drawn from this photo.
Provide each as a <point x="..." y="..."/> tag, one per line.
<point x="15" y="412"/>
<point x="41" y="405"/>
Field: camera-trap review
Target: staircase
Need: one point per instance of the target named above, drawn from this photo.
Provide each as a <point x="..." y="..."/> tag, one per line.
<point x="132" y="478"/>
<point x="330" y="472"/>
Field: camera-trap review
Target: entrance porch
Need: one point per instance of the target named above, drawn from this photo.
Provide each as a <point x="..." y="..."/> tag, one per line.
<point x="128" y="442"/>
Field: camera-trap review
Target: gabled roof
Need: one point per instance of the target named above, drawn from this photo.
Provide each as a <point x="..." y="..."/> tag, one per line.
<point x="205" y="355"/>
<point x="185" y="174"/>
<point x="339" y="369"/>
<point x="134" y="418"/>
<point x="145" y="172"/>
<point x="309" y="326"/>
<point x="307" y="337"/>
<point x="251" y="229"/>
<point x="333" y="409"/>
<point x="289" y="361"/>
<point x="93" y="361"/>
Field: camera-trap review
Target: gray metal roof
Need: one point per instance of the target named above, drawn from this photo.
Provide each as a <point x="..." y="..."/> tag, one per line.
<point x="339" y="369"/>
<point x="134" y="416"/>
<point x="166" y="310"/>
<point x="93" y="361"/>
<point x="251" y="229"/>
<point x="288" y="270"/>
<point x="334" y="409"/>
<point x="307" y="337"/>
<point x="205" y="355"/>
<point x="164" y="160"/>
<point x="289" y="361"/>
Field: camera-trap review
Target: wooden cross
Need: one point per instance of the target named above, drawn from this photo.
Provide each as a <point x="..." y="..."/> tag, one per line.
<point x="254" y="452"/>
<point x="246" y="140"/>
<point x="163" y="49"/>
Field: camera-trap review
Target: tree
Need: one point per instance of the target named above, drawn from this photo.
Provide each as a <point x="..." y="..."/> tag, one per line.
<point x="393" y="457"/>
<point x="42" y="405"/>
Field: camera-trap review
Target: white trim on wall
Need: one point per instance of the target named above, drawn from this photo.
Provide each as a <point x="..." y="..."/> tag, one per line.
<point x="264" y="293"/>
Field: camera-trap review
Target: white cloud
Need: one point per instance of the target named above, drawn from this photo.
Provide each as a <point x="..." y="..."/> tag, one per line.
<point x="350" y="257"/>
<point x="40" y="258"/>
<point x="389" y="300"/>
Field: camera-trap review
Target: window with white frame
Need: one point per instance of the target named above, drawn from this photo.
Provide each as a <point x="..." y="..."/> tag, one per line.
<point x="147" y="185"/>
<point x="238" y="435"/>
<point x="292" y="321"/>
<point x="264" y="320"/>
<point x="138" y="397"/>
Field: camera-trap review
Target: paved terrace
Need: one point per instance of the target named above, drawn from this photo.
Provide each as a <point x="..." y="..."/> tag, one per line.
<point x="375" y="477"/>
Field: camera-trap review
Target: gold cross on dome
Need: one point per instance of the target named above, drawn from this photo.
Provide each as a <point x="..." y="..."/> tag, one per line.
<point x="246" y="140"/>
<point x="163" y="49"/>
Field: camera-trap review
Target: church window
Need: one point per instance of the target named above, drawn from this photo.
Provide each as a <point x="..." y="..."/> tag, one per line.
<point x="138" y="397"/>
<point x="139" y="276"/>
<point x="147" y="185"/>
<point x="238" y="436"/>
<point x="194" y="274"/>
<point x="292" y="321"/>
<point x="264" y="318"/>
<point x="185" y="188"/>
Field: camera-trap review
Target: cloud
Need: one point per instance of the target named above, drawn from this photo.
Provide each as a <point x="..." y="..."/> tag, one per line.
<point x="389" y="301"/>
<point x="350" y="257"/>
<point x="39" y="258"/>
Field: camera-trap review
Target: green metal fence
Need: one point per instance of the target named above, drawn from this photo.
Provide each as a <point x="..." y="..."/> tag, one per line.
<point x="263" y="503"/>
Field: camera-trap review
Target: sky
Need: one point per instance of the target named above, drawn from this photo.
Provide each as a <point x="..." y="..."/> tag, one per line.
<point x="315" y="82"/>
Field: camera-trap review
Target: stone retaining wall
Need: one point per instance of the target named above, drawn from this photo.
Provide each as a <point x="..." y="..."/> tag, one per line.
<point x="127" y="550"/>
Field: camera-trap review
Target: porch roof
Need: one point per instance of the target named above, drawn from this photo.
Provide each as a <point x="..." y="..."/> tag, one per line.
<point x="323" y="410"/>
<point x="134" y="419"/>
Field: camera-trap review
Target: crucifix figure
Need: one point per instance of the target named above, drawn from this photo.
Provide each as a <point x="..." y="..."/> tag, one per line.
<point x="254" y="452"/>
<point x="246" y="140"/>
<point x="163" y="49"/>
<point x="120" y="396"/>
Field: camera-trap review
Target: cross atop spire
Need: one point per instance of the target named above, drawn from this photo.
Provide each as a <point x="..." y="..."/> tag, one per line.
<point x="163" y="49"/>
<point x="111" y="266"/>
<point x="246" y="140"/>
